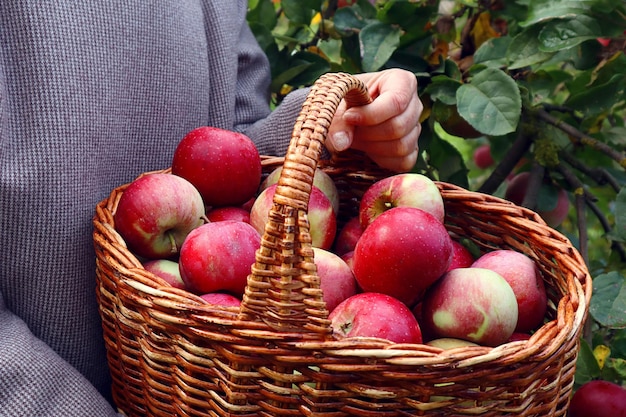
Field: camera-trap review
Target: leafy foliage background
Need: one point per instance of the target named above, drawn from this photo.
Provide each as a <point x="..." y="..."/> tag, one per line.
<point x="541" y="81"/>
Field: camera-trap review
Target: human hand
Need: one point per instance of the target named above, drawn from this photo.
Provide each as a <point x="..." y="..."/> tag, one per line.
<point x="388" y="128"/>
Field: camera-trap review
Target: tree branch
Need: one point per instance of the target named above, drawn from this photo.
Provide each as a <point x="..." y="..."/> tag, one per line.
<point x="582" y="138"/>
<point x="505" y="167"/>
<point x="579" y="190"/>
<point x="600" y="175"/>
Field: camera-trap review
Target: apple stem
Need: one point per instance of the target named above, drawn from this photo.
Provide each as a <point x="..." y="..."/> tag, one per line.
<point x="174" y="249"/>
<point x="205" y="218"/>
<point x="346" y="327"/>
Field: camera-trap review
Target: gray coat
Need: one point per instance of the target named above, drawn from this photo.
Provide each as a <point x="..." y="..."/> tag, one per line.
<point x="93" y="93"/>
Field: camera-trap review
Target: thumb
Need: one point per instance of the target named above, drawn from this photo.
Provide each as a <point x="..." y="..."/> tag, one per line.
<point x="340" y="133"/>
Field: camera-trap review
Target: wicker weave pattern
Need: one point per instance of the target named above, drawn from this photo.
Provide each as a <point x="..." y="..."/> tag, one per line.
<point x="171" y="353"/>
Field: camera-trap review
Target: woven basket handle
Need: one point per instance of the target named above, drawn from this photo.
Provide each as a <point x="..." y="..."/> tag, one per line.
<point x="283" y="288"/>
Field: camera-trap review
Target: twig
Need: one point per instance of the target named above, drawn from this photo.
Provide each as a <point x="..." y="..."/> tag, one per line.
<point x="582" y="138"/>
<point x="579" y="190"/>
<point x="504" y="168"/>
<point x="600" y="175"/>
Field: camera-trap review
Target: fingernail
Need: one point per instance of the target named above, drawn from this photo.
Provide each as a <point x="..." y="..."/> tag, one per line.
<point x="341" y="141"/>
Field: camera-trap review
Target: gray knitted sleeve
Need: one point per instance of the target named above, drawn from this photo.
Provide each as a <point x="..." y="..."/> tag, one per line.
<point x="93" y="93"/>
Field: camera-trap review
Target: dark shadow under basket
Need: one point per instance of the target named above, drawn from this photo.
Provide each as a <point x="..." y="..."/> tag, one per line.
<point x="171" y="353"/>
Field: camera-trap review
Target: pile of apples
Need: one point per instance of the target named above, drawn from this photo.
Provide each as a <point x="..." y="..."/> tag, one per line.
<point x="393" y="271"/>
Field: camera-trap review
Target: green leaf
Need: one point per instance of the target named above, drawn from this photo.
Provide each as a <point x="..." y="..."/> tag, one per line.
<point x="490" y="102"/>
<point x="449" y="162"/>
<point x="543" y="83"/>
<point x="614" y="369"/>
<point x="543" y="10"/>
<point x="563" y="34"/>
<point x="525" y="49"/>
<point x="301" y="11"/>
<point x="443" y="88"/>
<point x="347" y="21"/>
<point x="493" y="52"/>
<point x="587" y="367"/>
<point x="378" y="42"/>
<point x="599" y="98"/>
<point x="263" y="14"/>
<point x="314" y="66"/>
<point x="286" y="76"/>
<point x="608" y="302"/>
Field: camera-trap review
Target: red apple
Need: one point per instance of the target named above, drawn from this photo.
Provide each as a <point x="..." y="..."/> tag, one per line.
<point x="598" y="398"/>
<point x="236" y="213"/>
<point x="322" y="218"/>
<point x="167" y="270"/>
<point x="221" y="299"/>
<point x="375" y="315"/>
<point x="218" y="256"/>
<point x="401" y="253"/>
<point x="156" y="212"/>
<point x="321" y="180"/>
<point x="347" y="237"/>
<point x="336" y="277"/>
<point x="554" y="216"/>
<point x="482" y="156"/>
<point x="348" y="258"/>
<point x="524" y="277"/>
<point x="461" y="256"/>
<point x="474" y="304"/>
<point x="225" y="166"/>
<point x="401" y="190"/>
<point x="518" y="337"/>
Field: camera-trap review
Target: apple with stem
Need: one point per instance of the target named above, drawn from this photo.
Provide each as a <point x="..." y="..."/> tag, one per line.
<point x="155" y="214"/>
<point x="401" y="190"/>
<point x="225" y="166"/>
<point x="375" y="315"/>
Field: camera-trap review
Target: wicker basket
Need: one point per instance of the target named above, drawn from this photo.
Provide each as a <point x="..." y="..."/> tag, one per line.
<point x="171" y="353"/>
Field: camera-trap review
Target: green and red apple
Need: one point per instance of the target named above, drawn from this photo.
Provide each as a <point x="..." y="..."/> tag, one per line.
<point x="401" y="190"/>
<point x="321" y="216"/>
<point x="524" y="277"/>
<point x="474" y="304"/>
<point x="155" y="214"/>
